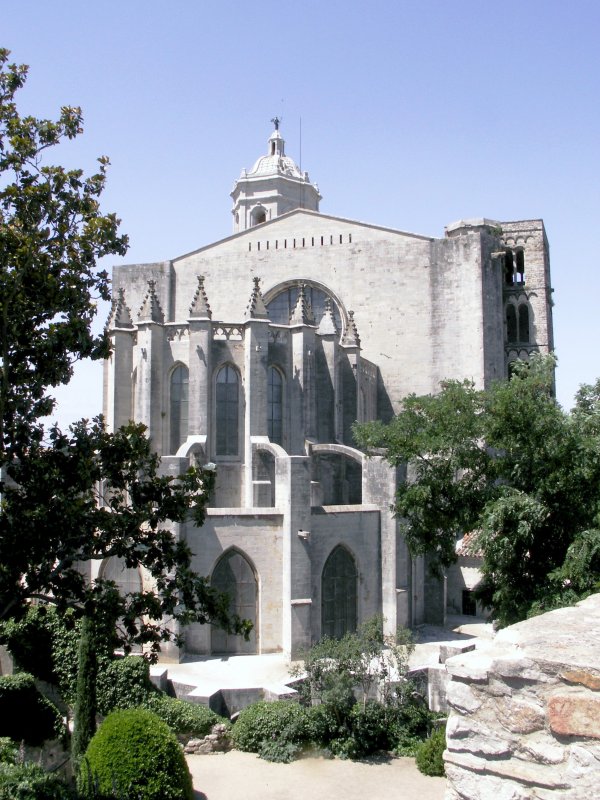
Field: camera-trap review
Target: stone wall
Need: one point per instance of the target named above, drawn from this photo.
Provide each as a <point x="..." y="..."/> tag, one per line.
<point x="525" y="711"/>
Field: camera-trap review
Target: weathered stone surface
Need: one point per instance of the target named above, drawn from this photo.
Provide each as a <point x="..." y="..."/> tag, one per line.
<point x="519" y="741"/>
<point x="461" y="697"/>
<point x="541" y="748"/>
<point x="573" y="714"/>
<point x="520" y="716"/>
<point x="463" y="735"/>
<point x="583" y="678"/>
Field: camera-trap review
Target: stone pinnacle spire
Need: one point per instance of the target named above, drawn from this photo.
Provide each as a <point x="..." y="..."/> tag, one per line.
<point x="351" y="337"/>
<point x="302" y="312"/>
<point x="151" y="310"/>
<point x="200" y="308"/>
<point x="120" y="316"/>
<point x="327" y="325"/>
<point x="256" y="307"/>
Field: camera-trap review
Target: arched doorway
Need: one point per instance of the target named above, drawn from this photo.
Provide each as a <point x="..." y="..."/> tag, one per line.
<point x="234" y="576"/>
<point x="338" y="594"/>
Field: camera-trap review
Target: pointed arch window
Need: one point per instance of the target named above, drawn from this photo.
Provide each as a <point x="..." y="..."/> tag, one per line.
<point x="179" y="407"/>
<point x="338" y="594"/>
<point x="275" y="406"/>
<point x="227" y="411"/>
<point x="233" y="575"/>
<point x="524" y="323"/>
<point x="511" y="323"/>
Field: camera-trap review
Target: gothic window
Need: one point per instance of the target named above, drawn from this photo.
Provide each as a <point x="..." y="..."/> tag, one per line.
<point x="227" y="412"/>
<point x="275" y="406"/>
<point x="508" y="267"/>
<point x="519" y="266"/>
<point x="524" y="323"/>
<point x="511" y="323"/>
<point x="338" y="594"/>
<point x="179" y="407"/>
<point x="281" y="306"/>
<point x="127" y="579"/>
<point x="234" y="576"/>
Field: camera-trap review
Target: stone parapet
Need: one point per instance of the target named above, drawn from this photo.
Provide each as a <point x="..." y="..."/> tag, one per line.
<point x="525" y="711"/>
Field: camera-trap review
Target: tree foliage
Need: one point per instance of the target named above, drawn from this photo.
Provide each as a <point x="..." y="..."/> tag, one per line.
<point x="509" y="465"/>
<point x="51" y="234"/>
<point x="68" y="498"/>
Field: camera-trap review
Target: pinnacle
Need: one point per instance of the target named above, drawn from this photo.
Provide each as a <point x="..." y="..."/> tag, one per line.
<point x="120" y="316"/>
<point x="327" y="324"/>
<point x="200" y="307"/>
<point x="151" y="310"/>
<point x="256" y="308"/>
<point x="302" y="312"/>
<point x="351" y="337"/>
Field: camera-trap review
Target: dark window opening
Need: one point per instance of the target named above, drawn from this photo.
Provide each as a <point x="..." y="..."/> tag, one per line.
<point x="524" y="323"/>
<point x="179" y="407"/>
<point x="275" y="406"/>
<point x="469" y="605"/>
<point x="227" y="397"/>
<point x="338" y="594"/>
<point x="234" y="576"/>
<point x="511" y="323"/>
<point x="520" y="266"/>
<point x="509" y="268"/>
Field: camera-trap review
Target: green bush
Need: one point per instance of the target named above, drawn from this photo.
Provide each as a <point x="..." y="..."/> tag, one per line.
<point x="45" y="644"/>
<point x="429" y="754"/>
<point x="124" y="683"/>
<point x="181" y="716"/>
<point x="370" y="729"/>
<point x="25" y="714"/>
<point x="281" y="721"/>
<point x="31" y="782"/>
<point x="8" y="751"/>
<point x="135" y="753"/>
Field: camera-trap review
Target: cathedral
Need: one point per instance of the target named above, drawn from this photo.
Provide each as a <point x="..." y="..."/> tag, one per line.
<point x="258" y="352"/>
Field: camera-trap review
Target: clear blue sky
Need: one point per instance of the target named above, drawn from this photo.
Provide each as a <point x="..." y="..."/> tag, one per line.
<point x="414" y="114"/>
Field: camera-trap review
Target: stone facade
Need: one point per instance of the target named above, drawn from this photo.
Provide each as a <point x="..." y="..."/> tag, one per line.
<point x="525" y="719"/>
<point x="259" y="351"/>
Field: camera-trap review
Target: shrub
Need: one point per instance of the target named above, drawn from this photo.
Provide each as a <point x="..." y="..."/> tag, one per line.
<point x="183" y="717"/>
<point x="8" y="751"/>
<point x="31" y="782"/>
<point x="45" y="643"/>
<point x="135" y="753"/>
<point x="282" y="721"/>
<point x="369" y="726"/>
<point x="84" y="721"/>
<point x="124" y="683"/>
<point x="429" y="754"/>
<point x="25" y="714"/>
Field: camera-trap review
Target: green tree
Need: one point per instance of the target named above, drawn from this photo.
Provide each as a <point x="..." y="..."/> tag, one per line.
<point x="86" y="494"/>
<point x="85" y="704"/>
<point x="509" y="465"/>
<point x="51" y="234"/>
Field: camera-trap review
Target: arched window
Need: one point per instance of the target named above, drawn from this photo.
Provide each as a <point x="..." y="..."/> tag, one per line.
<point x="524" y="323"/>
<point x="520" y="266"/>
<point x="275" y="406"/>
<point x="338" y="594"/>
<point x="259" y="215"/>
<point x="511" y="323"/>
<point x="179" y="407"/>
<point x="227" y="411"/>
<point x="127" y="579"/>
<point x="509" y="268"/>
<point x="234" y="576"/>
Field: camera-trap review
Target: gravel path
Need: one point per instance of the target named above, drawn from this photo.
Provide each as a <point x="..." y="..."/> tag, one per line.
<point x="227" y="776"/>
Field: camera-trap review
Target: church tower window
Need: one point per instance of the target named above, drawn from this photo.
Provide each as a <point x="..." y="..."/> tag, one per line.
<point x="228" y="407"/>
<point x="179" y="407"/>
<point x="338" y="594"/>
<point x="275" y="406"/>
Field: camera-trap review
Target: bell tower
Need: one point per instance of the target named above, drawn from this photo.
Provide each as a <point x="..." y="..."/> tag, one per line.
<point x="274" y="186"/>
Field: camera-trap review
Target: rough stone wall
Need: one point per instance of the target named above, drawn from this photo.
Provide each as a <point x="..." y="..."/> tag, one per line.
<point x="525" y="711"/>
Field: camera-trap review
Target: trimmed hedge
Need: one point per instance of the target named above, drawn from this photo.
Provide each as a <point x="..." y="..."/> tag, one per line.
<point x="135" y="753"/>
<point x="183" y="717"/>
<point x="25" y="714"/>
